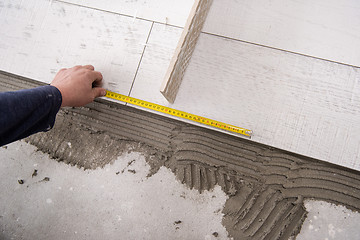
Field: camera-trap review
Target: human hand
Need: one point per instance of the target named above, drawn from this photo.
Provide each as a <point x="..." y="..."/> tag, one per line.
<point x="78" y="85"/>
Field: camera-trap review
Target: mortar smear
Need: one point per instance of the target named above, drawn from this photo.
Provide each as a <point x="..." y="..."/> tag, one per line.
<point x="267" y="187"/>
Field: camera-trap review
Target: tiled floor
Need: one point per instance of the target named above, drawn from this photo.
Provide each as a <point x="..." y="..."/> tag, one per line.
<point x="288" y="72"/>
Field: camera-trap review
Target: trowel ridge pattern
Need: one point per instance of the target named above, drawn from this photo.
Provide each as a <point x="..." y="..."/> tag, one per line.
<point x="266" y="186"/>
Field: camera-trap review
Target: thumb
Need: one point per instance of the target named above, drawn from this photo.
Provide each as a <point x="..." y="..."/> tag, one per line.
<point x="98" y="92"/>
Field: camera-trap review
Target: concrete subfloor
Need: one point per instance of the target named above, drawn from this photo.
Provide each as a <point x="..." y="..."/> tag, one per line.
<point x="225" y="187"/>
<point x="121" y="201"/>
<point x="115" y="202"/>
<point x="228" y="187"/>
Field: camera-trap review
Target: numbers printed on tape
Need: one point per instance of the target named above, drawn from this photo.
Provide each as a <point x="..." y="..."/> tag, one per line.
<point x="178" y="113"/>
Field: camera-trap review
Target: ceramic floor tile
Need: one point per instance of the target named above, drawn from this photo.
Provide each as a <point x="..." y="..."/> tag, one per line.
<point x="328" y="29"/>
<point x="37" y="38"/>
<point x="157" y="55"/>
<point x="174" y="12"/>
<point x="292" y="102"/>
<point x="301" y="104"/>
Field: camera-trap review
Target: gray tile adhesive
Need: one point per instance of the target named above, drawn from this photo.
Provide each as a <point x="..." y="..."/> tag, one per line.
<point x="266" y="186"/>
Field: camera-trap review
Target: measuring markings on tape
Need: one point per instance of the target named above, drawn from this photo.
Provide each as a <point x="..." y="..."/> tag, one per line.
<point x="178" y="113"/>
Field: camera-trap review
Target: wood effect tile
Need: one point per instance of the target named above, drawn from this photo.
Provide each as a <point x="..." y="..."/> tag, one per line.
<point x="173" y="12"/>
<point x="38" y="38"/>
<point x="327" y="29"/>
<point x="297" y="103"/>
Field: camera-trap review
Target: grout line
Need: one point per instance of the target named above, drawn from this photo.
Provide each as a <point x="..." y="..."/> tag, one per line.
<point x="142" y="55"/>
<point x="279" y="49"/>
<point x="213" y="34"/>
<point x="120" y="14"/>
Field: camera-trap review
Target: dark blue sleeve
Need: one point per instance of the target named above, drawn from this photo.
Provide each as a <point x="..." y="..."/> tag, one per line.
<point x="26" y="112"/>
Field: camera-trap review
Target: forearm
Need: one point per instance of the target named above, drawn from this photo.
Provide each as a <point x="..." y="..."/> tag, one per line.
<point x="26" y="112"/>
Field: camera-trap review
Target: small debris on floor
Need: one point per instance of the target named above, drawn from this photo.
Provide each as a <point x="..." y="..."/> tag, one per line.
<point x="132" y="171"/>
<point x="34" y="173"/>
<point x="177" y="222"/>
<point x="20" y="181"/>
<point x="215" y="234"/>
<point x="122" y="199"/>
<point x="117" y="173"/>
<point x="46" y="179"/>
<point x="129" y="163"/>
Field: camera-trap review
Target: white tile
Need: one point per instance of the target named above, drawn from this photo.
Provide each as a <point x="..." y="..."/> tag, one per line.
<point x="174" y="12"/>
<point x="300" y="104"/>
<point x="157" y="55"/>
<point x="328" y="29"/>
<point x="37" y="38"/>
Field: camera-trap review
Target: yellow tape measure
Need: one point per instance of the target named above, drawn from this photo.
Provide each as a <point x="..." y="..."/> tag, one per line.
<point x="177" y="113"/>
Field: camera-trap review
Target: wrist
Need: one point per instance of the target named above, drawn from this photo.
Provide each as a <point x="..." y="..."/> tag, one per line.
<point x="61" y="95"/>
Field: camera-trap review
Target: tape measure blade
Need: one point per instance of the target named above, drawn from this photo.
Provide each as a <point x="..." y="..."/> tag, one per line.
<point x="179" y="114"/>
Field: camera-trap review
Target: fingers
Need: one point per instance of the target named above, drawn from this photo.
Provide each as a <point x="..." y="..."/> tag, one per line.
<point x="97" y="76"/>
<point x="96" y="79"/>
<point x="90" y="67"/>
<point x="98" y="92"/>
<point x="94" y="76"/>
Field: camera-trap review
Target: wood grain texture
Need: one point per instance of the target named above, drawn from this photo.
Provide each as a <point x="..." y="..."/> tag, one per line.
<point x="328" y="29"/>
<point x="184" y="49"/>
<point x="297" y="103"/>
<point x="37" y="38"/>
<point x="266" y="187"/>
<point x="173" y="12"/>
<point x="157" y="56"/>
